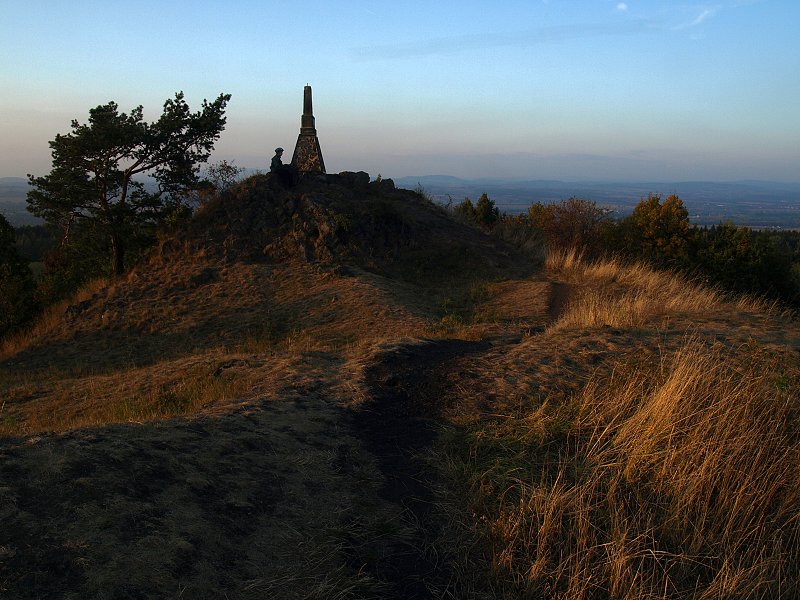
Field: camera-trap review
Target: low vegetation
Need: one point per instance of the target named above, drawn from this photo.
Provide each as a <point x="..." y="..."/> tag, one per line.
<point x="658" y="232"/>
<point x="671" y="472"/>
<point x="17" y="302"/>
<point x="674" y="480"/>
<point x="646" y="293"/>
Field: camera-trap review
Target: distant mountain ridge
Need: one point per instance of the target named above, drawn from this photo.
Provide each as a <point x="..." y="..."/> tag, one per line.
<point x="515" y="181"/>
<point x="757" y="204"/>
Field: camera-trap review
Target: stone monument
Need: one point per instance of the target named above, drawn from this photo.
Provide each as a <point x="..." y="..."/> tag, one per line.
<point x="307" y="156"/>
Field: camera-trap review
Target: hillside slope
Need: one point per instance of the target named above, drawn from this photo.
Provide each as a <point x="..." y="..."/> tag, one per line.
<point x="288" y="397"/>
<point x="255" y="321"/>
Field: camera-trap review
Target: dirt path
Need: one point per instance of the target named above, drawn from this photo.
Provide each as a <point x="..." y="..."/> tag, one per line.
<point x="396" y="424"/>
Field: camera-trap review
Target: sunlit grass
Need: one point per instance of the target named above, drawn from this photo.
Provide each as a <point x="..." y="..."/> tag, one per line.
<point x="681" y="479"/>
<point x="47" y="403"/>
<point x="640" y="293"/>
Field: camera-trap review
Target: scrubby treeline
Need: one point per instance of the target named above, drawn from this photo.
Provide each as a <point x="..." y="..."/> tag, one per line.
<point x="735" y="258"/>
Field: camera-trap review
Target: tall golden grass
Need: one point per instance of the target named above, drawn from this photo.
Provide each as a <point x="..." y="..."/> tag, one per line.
<point x="676" y="480"/>
<point x="643" y="293"/>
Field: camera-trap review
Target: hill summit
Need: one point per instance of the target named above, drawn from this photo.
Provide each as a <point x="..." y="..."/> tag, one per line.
<point x="336" y="257"/>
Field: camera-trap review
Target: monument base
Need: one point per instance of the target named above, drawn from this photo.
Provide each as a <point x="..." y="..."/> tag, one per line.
<point x="307" y="156"/>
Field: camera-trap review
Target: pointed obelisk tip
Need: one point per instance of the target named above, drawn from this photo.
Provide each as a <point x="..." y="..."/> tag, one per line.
<point x="307" y="108"/>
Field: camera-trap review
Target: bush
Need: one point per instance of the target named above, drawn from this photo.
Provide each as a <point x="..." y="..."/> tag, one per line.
<point x="732" y="257"/>
<point x="658" y="232"/>
<point x="517" y="231"/>
<point x="79" y="258"/>
<point x="736" y="259"/>
<point x="573" y="223"/>
<point x="465" y="210"/>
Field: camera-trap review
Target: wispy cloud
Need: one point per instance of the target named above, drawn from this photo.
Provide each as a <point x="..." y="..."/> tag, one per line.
<point x="705" y="14"/>
<point x="486" y="41"/>
<point x="622" y="7"/>
<point x="702" y="17"/>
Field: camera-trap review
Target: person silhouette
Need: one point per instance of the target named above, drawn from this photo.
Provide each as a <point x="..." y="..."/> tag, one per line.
<point x="276" y="163"/>
<point x="286" y="174"/>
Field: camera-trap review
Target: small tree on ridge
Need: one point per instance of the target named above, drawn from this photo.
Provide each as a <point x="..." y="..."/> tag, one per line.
<point x="95" y="165"/>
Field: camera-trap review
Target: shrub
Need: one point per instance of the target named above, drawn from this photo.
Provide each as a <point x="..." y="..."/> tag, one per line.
<point x="465" y="210"/>
<point x="573" y="223"/>
<point x="737" y="260"/>
<point x="486" y="213"/>
<point x="517" y="231"/>
<point x="658" y="231"/>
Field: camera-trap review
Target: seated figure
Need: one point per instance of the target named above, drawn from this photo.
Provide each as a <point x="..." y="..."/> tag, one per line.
<point x="286" y="174"/>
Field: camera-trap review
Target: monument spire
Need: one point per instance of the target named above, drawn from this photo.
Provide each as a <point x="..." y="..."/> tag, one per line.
<point x="307" y="156"/>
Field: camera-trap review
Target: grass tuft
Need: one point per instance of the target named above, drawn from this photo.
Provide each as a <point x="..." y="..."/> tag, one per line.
<point x="618" y="294"/>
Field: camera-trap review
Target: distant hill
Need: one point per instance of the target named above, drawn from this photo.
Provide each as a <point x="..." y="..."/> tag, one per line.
<point x="756" y="204"/>
<point x="12" y="201"/>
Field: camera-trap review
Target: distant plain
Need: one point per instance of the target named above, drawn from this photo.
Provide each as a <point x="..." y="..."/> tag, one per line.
<point x="754" y="204"/>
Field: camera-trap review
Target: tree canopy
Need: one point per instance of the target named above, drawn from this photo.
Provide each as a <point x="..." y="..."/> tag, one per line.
<point x="483" y="213"/>
<point x="98" y="170"/>
<point x="659" y="231"/>
<point x="572" y="223"/>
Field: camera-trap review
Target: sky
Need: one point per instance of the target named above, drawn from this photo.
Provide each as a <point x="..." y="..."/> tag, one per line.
<point x="577" y="90"/>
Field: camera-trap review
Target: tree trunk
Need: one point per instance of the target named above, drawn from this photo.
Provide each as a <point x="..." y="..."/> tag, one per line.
<point x="117" y="253"/>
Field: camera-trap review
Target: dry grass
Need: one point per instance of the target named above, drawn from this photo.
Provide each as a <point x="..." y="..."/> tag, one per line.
<point x="678" y="480"/>
<point x="170" y="388"/>
<point x="618" y="294"/>
<point x="616" y="456"/>
<point x="49" y="321"/>
<point x="160" y="353"/>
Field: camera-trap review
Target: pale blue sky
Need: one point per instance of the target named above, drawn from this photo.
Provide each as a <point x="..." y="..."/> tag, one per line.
<point x="556" y="89"/>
